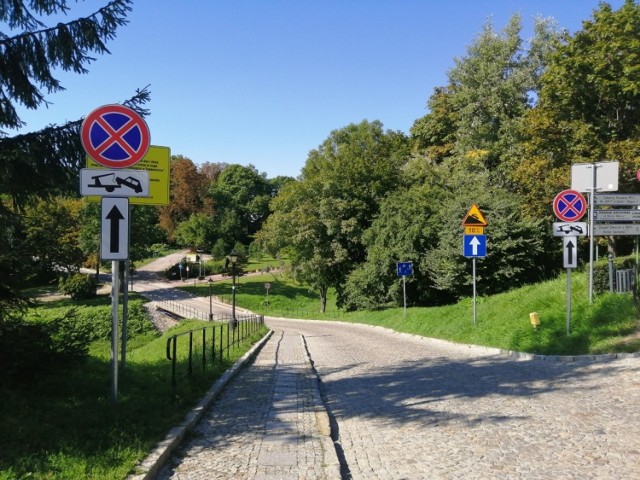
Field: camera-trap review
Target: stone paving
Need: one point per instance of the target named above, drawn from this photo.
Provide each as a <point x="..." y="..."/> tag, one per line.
<point x="406" y="407"/>
<point x="268" y="423"/>
<point x="413" y="408"/>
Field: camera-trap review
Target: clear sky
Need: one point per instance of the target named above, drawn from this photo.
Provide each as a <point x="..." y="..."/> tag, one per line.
<point x="263" y="82"/>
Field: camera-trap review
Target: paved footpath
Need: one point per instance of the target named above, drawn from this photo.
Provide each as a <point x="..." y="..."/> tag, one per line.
<point x="268" y="423"/>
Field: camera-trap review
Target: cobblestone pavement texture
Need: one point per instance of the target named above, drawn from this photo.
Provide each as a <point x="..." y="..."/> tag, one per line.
<point x="269" y="423"/>
<point x="413" y="408"/>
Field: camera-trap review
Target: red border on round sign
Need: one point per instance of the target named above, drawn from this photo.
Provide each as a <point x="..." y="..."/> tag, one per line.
<point x="137" y="120"/>
<point x="561" y="198"/>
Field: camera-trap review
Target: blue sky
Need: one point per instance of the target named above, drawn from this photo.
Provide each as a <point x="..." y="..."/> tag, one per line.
<point x="264" y="82"/>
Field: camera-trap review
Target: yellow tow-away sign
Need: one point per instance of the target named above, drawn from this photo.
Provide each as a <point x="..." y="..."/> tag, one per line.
<point x="157" y="162"/>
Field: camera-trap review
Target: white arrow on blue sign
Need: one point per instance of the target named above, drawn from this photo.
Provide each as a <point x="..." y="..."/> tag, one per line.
<point x="474" y="245"/>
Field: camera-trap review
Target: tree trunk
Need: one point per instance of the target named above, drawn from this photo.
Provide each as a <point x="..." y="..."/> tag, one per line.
<point x="323" y="299"/>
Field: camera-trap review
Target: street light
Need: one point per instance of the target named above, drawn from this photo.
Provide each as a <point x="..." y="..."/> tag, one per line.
<point x="233" y="257"/>
<point x="210" y="306"/>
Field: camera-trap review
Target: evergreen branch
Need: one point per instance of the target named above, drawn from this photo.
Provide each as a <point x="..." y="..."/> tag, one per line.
<point x="16" y="14"/>
<point x="27" y="59"/>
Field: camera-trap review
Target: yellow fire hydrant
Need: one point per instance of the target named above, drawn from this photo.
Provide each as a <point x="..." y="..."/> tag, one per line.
<point x="535" y="319"/>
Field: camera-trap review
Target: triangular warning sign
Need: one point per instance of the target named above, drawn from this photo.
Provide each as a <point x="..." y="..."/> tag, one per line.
<point x="474" y="218"/>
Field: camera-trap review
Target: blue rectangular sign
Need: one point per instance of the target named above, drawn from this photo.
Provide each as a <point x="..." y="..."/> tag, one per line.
<point x="474" y="245"/>
<point x="405" y="268"/>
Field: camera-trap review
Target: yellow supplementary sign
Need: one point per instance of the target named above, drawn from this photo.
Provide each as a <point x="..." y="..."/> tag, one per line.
<point x="474" y="218"/>
<point x="157" y="162"/>
<point x="473" y="230"/>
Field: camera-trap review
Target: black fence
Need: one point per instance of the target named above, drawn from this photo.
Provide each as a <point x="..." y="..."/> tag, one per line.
<point x="207" y="345"/>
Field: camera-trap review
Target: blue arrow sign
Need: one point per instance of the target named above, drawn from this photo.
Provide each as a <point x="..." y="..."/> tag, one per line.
<point x="474" y="245"/>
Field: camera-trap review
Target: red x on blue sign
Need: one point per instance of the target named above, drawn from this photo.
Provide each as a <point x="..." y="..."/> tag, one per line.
<point x="115" y="136"/>
<point x="569" y="205"/>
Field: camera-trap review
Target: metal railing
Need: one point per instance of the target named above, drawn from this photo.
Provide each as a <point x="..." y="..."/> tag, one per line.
<point x="188" y="311"/>
<point x="212" y="347"/>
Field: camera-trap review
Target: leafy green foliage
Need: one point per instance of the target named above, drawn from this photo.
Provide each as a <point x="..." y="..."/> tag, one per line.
<point x="516" y="251"/>
<point x="51" y="228"/>
<point x="78" y="286"/>
<point x="33" y="349"/>
<point x="64" y="425"/>
<point x="30" y="57"/>
<point x="196" y="231"/>
<point x="241" y="195"/>
<point x="188" y="193"/>
<point x="587" y="109"/>
<point x="320" y="220"/>
<point x="42" y="163"/>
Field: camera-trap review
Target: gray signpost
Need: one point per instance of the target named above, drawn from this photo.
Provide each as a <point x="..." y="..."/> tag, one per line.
<point x="116" y="137"/>
<point x="474" y="244"/>
<point x="594" y="177"/>
<point x="569" y="260"/>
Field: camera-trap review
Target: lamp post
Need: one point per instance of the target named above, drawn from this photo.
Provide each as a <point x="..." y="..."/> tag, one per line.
<point x="210" y="306"/>
<point x="233" y="258"/>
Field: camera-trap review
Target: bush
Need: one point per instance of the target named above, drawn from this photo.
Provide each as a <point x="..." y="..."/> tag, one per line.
<point x="79" y="286"/>
<point x="601" y="272"/>
<point x="31" y="348"/>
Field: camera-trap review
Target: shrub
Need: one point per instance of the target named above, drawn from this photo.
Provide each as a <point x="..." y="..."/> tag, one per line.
<point x="78" y="286"/>
<point x="601" y="272"/>
<point x="31" y="348"/>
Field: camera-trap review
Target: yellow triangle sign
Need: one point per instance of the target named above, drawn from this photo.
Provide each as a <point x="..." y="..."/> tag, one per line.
<point x="474" y="218"/>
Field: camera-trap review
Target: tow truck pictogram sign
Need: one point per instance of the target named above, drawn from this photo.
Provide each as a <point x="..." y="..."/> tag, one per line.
<point x="114" y="183"/>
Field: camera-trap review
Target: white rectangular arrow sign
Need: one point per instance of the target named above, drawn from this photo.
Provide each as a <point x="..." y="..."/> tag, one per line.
<point x="570" y="252"/>
<point x="114" y="183"/>
<point x="114" y="241"/>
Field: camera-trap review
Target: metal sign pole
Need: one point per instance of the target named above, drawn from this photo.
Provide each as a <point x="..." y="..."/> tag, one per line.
<point x="592" y="199"/>
<point x="115" y="288"/>
<point x="404" y="293"/>
<point x="568" y="301"/>
<point x="125" y="313"/>
<point x="473" y="259"/>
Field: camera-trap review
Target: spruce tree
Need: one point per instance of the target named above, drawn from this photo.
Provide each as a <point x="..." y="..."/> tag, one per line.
<point x="47" y="161"/>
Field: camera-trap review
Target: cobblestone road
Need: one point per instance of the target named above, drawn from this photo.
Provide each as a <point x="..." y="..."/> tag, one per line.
<point x="410" y="408"/>
<point x="404" y="407"/>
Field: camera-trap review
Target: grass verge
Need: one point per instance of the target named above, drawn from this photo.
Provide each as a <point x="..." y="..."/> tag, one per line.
<point x="64" y="425"/>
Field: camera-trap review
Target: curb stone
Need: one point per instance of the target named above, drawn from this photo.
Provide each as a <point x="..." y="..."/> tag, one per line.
<point x="150" y="466"/>
<point x="331" y="462"/>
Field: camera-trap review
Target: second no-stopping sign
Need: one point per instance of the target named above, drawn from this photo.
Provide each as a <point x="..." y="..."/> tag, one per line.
<point x="569" y="206"/>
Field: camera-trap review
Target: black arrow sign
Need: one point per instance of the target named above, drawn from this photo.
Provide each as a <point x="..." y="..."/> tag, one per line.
<point x="570" y="247"/>
<point x="115" y="216"/>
